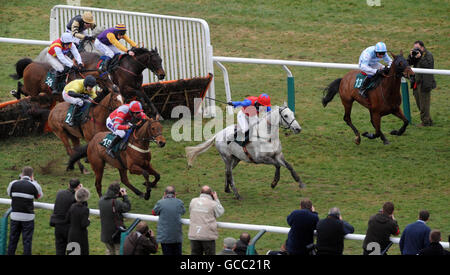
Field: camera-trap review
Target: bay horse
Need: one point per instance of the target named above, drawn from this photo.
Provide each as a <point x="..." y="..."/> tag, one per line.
<point x="98" y="113"/>
<point x="34" y="75"/>
<point x="263" y="150"/>
<point x="135" y="158"/>
<point x="383" y="100"/>
<point x="128" y="74"/>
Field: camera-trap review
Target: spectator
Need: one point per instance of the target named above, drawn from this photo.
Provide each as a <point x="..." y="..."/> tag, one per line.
<point x="381" y="226"/>
<point x="420" y="57"/>
<point x="111" y="210"/>
<point x="22" y="193"/>
<point x="331" y="232"/>
<point x="282" y="251"/>
<point x="78" y="218"/>
<point x="64" y="199"/>
<point x="140" y="242"/>
<point x="204" y="211"/>
<point x="241" y="245"/>
<point x="303" y="223"/>
<point x="169" y="231"/>
<point x="416" y="236"/>
<point x="229" y="244"/>
<point x="435" y="248"/>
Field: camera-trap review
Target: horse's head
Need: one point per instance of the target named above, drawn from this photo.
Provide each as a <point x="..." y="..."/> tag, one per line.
<point x="110" y="100"/>
<point x="287" y="119"/>
<point x="401" y="66"/>
<point x="151" y="130"/>
<point x="151" y="60"/>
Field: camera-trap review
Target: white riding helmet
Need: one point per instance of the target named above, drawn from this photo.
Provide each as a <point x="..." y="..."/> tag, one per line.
<point x="66" y="38"/>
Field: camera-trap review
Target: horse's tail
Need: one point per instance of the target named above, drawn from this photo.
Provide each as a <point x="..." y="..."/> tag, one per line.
<point x="331" y="91"/>
<point x="193" y="151"/>
<point x="79" y="153"/>
<point x="20" y="67"/>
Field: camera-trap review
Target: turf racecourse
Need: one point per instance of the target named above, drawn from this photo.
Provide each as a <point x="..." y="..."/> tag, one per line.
<point x="412" y="171"/>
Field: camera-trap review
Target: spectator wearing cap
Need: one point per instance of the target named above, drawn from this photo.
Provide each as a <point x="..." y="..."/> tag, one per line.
<point x="331" y="232"/>
<point x="229" y="244"/>
<point x="78" y="218"/>
<point x="303" y="222"/>
<point x="380" y="227"/>
<point x="416" y="236"/>
<point x="22" y="193"/>
<point x="169" y="231"/>
<point x="64" y="199"/>
<point x="242" y="243"/>
<point x="435" y="248"/>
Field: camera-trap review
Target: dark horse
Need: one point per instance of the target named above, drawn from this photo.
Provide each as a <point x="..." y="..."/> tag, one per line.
<point x="385" y="99"/>
<point x="136" y="157"/>
<point x="35" y="73"/>
<point x="128" y="74"/>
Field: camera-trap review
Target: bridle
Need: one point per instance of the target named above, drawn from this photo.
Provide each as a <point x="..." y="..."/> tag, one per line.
<point x="285" y="121"/>
<point x="152" y="138"/>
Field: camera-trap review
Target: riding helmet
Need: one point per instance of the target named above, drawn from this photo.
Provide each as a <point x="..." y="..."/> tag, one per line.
<point x="264" y="99"/>
<point x="88" y="18"/>
<point x="380" y="47"/>
<point x="89" y="81"/>
<point x="136" y="107"/>
<point x="66" y="38"/>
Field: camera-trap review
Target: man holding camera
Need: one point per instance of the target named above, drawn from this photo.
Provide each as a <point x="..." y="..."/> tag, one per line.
<point x="111" y="210"/>
<point x="420" y="57"/>
<point x="140" y="242"/>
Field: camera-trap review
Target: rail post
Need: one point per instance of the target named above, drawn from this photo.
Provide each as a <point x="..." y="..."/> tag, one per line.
<point x="124" y="235"/>
<point x="405" y="99"/>
<point x="4" y="232"/>
<point x="251" y="246"/>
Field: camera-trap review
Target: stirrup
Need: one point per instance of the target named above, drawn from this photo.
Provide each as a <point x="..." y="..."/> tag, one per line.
<point x="110" y="153"/>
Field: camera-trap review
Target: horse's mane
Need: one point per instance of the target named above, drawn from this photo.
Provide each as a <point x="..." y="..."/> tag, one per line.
<point x="139" y="51"/>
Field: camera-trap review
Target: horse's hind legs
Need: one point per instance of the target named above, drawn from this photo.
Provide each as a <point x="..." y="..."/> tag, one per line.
<point x="348" y="120"/>
<point x="229" y="165"/>
<point x="276" y="178"/>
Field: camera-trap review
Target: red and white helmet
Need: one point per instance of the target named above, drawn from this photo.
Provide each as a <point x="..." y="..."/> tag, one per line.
<point x="264" y="99"/>
<point x="135" y="107"/>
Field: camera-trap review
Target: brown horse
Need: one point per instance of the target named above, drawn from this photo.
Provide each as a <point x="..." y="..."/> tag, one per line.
<point x="35" y="73"/>
<point x="383" y="100"/>
<point x="128" y="74"/>
<point x="136" y="157"/>
<point x="98" y="114"/>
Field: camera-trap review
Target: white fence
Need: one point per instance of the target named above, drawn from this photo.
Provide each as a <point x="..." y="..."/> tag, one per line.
<point x="226" y="225"/>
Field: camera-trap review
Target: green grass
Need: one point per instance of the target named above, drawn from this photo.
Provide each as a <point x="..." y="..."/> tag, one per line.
<point x="412" y="171"/>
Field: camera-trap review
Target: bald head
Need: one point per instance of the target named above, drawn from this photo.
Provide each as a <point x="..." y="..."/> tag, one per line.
<point x="206" y="190"/>
<point x="170" y="189"/>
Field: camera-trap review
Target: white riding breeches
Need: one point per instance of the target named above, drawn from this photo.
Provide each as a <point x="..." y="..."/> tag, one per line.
<point x="55" y="63"/>
<point x="72" y="100"/>
<point x="109" y="51"/>
<point x="245" y="121"/>
<point x="109" y="125"/>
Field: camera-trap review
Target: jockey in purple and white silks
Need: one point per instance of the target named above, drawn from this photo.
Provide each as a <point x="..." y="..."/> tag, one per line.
<point x="369" y="62"/>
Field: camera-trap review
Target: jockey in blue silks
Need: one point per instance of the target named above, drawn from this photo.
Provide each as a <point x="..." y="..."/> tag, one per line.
<point x="369" y="62"/>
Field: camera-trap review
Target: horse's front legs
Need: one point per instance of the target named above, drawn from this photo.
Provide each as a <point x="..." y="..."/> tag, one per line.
<point x="375" y="118"/>
<point x="294" y="174"/>
<point x="398" y="113"/>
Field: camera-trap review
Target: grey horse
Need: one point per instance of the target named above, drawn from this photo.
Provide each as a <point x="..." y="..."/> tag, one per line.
<point x="264" y="146"/>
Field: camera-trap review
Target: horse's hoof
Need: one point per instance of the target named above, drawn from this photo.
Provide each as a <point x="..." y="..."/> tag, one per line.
<point x="358" y="140"/>
<point x="273" y="185"/>
<point x="386" y="142"/>
<point x="394" y="133"/>
<point x="147" y="195"/>
<point x="301" y="185"/>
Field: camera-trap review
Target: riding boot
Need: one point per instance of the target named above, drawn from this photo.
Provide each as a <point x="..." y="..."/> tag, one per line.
<point x="110" y="150"/>
<point x="58" y="80"/>
<point x="363" y="88"/>
<point x="246" y="139"/>
<point x="72" y="117"/>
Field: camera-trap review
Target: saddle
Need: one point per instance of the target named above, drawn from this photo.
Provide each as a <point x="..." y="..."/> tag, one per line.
<point x="242" y="143"/>
<point x="108" y="65"/>
<point x="365" y="83"/>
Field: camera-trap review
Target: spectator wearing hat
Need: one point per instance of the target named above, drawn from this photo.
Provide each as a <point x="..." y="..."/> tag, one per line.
<point x="331" y="232"/>
<point x="303" y="222"/>
<point x="380" y="227"/>
<point x="140" y="242"/>
<point x="435" y="248"/>
<point x="416" y="236"/>
<point x="78" y="218"/>
<point x="229" y="244"/>
<point x="169" y="232"/>
<point x="64" y="199"/>
<point x="22" y="193"/>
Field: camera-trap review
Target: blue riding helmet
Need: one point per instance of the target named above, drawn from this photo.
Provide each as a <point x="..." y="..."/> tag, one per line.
<point x="380" y="47"/>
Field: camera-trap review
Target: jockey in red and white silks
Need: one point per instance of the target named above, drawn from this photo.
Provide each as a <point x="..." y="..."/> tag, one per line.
<point x="119" y="120"/>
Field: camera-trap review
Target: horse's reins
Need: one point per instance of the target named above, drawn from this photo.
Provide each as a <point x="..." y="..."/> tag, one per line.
<point x="152" y="138"/>
<point x="289" y="124"/>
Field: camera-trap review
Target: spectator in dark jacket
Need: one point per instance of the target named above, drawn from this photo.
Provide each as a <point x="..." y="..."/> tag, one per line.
<point x="416" y="236"/>
<point x="22" y="193"/>
<point x="169" y="232"/>
<point x="242" y="243"/>
<point x="303" y="223"/>
<point x="140" y="242"/>
<point x="331" y="232"/>
<point x="381" y="226"/>
<point x="78" y="218"/>
<point x="435" y="248"/>
<point x="64" y="199"/>
<point x="229" y="244"/>
<point x="111" y="210"/>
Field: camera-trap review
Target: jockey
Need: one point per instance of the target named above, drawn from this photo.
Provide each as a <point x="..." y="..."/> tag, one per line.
<point x="108" y="43"/>
<point x="77" y="91"/>
<point x="79" y="25"/>
<point x="119" y="121"/>
<point x="369" y="63"/>
<point x="58" y="59"/>
<point x="248" y="114"/>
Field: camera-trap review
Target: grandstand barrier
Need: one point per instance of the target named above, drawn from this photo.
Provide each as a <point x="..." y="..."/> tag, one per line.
<point x="224" y="225"/>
